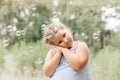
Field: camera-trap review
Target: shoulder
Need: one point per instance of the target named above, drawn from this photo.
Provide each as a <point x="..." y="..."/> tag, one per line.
<point x="78" y="44"/>
<point x="82" y="50"/>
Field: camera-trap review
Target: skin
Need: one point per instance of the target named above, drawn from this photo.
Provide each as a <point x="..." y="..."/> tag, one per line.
<point x="63" y="41"/>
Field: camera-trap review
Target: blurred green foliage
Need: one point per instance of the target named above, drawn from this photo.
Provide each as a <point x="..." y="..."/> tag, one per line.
<point x="21" y="25"/>
<point x="24" y="55"/>
<point x="24" y="20"/>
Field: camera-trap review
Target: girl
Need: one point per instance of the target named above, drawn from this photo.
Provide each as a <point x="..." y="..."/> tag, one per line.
<point x="67" y="59"/>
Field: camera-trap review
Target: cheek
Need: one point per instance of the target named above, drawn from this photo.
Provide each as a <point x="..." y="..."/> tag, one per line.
<point x="62" y="45"/>
<point x="69" y="37"/>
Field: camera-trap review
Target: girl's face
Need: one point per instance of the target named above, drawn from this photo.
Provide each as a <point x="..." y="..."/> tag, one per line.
<point x="63" y="38"/>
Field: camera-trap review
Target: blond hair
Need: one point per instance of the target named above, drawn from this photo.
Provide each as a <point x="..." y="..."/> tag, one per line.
<point x="50" y="31"/>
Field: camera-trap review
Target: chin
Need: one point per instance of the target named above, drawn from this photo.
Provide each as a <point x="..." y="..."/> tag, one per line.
<point x="69" y="47"/>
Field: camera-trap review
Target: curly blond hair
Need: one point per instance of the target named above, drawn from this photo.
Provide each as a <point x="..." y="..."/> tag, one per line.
<point x="50" y="31"/>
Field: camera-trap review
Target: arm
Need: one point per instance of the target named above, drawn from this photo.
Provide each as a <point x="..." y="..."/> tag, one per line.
<point x="79" y="59"/>
<point x="51" y="62"/>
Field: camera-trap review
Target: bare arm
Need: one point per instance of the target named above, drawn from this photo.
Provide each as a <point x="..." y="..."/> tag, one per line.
<point x="79" y="59"/>
<point x="51" y="62"/>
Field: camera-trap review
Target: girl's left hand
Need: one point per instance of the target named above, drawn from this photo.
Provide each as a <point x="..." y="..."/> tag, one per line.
<point x="60" y="48"/>
<point x="56" y="49"/>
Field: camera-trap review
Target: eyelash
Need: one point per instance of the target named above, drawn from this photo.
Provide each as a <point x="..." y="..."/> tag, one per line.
<point x="64" y="34"/>
<point x="59" y="42"/>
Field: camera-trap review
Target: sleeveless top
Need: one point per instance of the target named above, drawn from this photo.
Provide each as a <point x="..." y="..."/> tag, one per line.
<point x="65" y="72"/>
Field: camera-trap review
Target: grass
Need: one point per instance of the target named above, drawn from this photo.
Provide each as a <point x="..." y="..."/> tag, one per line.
<point x="105" y="65"/>
<point x="24" y="62"/>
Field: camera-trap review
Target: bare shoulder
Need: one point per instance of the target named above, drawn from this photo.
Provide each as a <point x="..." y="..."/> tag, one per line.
<point x="80" y="44"/>
<point x="82" y="50"/>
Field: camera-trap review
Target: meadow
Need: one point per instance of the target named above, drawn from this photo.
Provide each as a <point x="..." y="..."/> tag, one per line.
<point x="24" y="62"/>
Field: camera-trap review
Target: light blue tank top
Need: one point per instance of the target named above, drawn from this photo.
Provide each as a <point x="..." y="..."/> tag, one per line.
<point x="65" y="72"/>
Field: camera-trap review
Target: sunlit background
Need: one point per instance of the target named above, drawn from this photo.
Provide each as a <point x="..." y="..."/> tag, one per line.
<point x="22" y="50"/>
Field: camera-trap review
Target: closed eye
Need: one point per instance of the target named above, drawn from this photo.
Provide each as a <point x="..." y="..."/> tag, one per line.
<point x="64" y="34"/>
<point x="60" y="42"/>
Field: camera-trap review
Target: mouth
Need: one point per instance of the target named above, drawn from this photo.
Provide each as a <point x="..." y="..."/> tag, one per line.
<point x="69" y="45"/>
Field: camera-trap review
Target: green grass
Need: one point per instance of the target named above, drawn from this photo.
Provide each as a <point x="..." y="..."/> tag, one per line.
<point x="22" y="54"/>
<point x="24" y="61"/>
<point x="105" y="65"/>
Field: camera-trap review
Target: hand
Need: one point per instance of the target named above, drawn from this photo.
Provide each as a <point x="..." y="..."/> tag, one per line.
<point x="61" y="49"/>
<point x="56" y="49"/>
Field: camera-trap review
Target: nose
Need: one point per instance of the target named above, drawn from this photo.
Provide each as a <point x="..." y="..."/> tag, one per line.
<point x="65" y="40"/>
